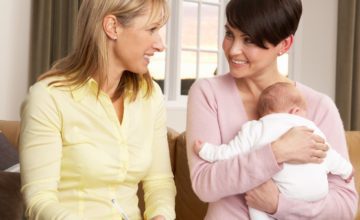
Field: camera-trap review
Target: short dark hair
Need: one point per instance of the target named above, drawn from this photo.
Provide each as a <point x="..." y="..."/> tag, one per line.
<point x="264" y="20"/>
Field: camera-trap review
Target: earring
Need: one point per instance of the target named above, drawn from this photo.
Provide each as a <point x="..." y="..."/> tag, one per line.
<point x="114" y="38"/>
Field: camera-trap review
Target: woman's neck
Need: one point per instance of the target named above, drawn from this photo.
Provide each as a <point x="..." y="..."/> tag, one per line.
<point x="112" y="80"/>
<point x="253" y="86"/>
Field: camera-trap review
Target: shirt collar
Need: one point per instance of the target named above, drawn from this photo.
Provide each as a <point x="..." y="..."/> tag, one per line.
<point x="90" y="87"/>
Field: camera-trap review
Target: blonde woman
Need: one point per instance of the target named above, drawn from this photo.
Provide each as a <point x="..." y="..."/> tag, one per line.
<point x="93" y="127"/>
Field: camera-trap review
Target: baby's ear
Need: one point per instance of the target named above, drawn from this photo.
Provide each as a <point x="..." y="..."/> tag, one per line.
<point x="294" y="110"/>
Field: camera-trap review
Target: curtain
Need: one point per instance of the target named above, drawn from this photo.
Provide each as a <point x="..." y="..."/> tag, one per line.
<point x="52" y="28"/>
<point x="347" y="95"/>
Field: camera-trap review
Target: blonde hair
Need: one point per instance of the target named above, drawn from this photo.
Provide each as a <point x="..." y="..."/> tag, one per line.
<point x="277" y="97"/>
<point x="89" y="56"/>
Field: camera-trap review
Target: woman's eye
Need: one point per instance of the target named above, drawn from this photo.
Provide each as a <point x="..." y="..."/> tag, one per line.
<point x="152" y="30"/>
<point x="248" y="40"/>
<point x="228" y="34"/>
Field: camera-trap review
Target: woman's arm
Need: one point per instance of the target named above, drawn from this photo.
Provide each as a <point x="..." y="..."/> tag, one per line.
<point x="40" y="156"/>
<point x="342" y="199"/>
<point x="159" y="186"/>
<point x="210" y="181"/>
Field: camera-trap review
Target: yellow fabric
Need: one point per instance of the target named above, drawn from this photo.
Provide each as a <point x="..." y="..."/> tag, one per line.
<point x="76" y="156"/>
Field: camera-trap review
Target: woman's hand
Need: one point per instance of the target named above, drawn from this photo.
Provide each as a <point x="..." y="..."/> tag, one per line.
<point x="158" y="217"/>
<point x="299" y="145"/>
<point x="264" y="197"/>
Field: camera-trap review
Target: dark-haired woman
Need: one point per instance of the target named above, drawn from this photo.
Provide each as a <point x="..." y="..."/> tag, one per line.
<point x="257" y="32"/>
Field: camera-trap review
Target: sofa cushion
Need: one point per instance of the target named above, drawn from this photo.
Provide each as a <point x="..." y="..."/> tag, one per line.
<point x="172" y="137"/>
<point x="8" y="154"/>
<point x="353" y="141"/>
<point x="11" y="130"/>
<point x="188" y="205"/>
<point x="11" y="203"/>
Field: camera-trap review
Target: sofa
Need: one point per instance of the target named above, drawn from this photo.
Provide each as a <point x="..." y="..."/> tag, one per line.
<point x="188" y="206"/>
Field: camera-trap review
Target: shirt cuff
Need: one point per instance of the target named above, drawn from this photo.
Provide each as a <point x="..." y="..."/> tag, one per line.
<point x="270" y="160"/>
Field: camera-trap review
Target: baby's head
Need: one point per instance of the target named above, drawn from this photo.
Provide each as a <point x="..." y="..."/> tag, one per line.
<point x="281" y="97"/>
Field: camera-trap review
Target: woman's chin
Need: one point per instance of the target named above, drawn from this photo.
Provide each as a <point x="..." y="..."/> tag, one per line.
<point x="140" y="71"/>
<point x="237" y="74"/>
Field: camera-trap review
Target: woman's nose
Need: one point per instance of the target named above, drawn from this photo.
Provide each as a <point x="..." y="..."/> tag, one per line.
<point x="236" y="48"/>
<point x="159" y="45"/>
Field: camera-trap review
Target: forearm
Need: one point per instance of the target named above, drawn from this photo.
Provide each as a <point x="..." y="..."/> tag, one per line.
<point x="160" y="197"/>
<point x="340" y="203"/>
<point x="46" y="207"/>
<point x="211" y="183"/>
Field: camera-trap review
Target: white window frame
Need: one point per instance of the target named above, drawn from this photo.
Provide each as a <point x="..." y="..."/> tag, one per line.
<point x="172" y="78"/>
<point x="172" y="81"/>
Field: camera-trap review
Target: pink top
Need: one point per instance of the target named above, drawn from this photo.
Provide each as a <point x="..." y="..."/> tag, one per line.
<point x="215" y="114"/>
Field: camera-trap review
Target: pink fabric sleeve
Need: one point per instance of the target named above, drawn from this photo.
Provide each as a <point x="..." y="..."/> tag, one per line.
<point x="213" y="181"/>
<point x="342" y="199"/>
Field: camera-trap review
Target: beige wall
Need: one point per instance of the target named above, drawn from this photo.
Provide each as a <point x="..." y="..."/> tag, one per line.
<point x="313" y="64"/>
<point x="314" y="52"/>
<point x="14" y="55"/>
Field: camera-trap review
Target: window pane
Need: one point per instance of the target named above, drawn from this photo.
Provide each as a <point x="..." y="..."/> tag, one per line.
<point x="208" y="64"/>
<point x="188" y="64"/>
<point x="188" y="70"/>
<point x="211" y="1"/>
<point x="157" y="66"/>
<point x="209" y="27"/>
<point x="157" y="62"/>
<point x="189" y="25"/>
<point x="283" y="64"/>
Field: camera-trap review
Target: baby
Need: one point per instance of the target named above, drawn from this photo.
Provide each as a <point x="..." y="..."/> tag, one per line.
<point x="281" y="107"/>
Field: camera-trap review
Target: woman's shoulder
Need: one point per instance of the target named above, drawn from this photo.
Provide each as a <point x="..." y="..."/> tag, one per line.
<point x="313" y="96"/>
<point x="47" y="83"/>
<point x="46" y="88"/>
<point x="218" y="80"/>
<point x="318" y="103"/>
<point x="219" y="83"/>
<point x="40" y="86"/>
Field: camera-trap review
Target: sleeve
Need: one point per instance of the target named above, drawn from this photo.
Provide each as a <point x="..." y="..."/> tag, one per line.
<point x="241" y="144"/>
<point x="210" y="181"/>
<point x="158" y="185"/>
<point x="342" y="199"/>
<point x="40" y="156"/>
<point x="337" y="165"/>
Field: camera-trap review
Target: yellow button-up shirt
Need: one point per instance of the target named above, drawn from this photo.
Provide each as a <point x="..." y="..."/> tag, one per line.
<point x="78" y="162"/>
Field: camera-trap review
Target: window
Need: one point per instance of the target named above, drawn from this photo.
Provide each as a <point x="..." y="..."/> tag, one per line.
<point x="193" y="37"/>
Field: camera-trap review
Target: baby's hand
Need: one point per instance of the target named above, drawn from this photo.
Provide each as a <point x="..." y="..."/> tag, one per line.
<point x="198" y="146"/>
